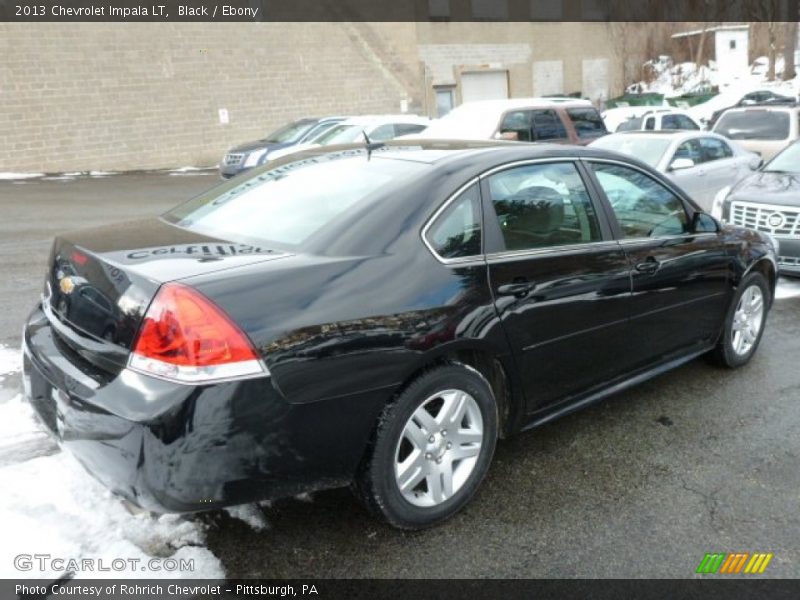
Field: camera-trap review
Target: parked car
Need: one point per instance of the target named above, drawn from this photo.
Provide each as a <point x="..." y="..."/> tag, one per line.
<point x="249" y="155"/>
<point x="702" y="163"/>
<point x="561" y="120"/>
<point x="658" y="119"/>
<point x="377" y="128"/>
<point x="763" y="130"/>
<point x="708" y="112"/>
<point x="769" y="201"/>
<point x="380" y="314"/>
<point x="759" y="97"/>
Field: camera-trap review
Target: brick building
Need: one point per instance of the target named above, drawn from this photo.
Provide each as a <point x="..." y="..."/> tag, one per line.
<point x="119" y="96"/>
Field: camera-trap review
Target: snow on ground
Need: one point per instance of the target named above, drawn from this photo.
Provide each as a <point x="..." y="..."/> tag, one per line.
<point x="250" y="514"/>
<point x="11" y="175"/>
<point x="787" y="288"/>
<point x="50" y="505"/>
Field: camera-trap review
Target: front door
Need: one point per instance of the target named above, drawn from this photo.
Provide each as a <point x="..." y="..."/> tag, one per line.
<point x="561" y="283"/>
<point x="679" y="277"/>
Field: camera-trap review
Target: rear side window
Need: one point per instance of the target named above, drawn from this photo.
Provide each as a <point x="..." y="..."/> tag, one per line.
<point x="754" y="125"/>
<point x="539" y="206"/>
<point x="547" y="125"/>
<point x="633" y="124"/>
<point x="677" y="122"/>
<point x="650" y="124"/>
<point x="456" y="233"/>
<point x="587" y="122"/>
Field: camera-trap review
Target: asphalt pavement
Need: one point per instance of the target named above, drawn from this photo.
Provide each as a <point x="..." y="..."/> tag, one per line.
<point x="641" y="485"/>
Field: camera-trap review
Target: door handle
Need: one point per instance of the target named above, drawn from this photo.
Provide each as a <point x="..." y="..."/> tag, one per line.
<point x="649" y="266"/>
<point x="519" y="289"/>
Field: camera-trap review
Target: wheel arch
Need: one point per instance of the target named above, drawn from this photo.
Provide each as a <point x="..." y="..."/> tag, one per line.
<point x="767" y="268"/>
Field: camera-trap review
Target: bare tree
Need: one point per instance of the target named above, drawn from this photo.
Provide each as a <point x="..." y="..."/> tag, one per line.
<point x="790" y="39"/>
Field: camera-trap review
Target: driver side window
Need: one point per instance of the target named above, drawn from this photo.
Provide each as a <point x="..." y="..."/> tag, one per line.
<point x="644" y="207"/>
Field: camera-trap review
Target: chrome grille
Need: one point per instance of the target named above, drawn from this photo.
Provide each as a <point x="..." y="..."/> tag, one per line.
<point x="233" y="159"/>
<point x="789" y="261"/>
<point x="780" y="221"/>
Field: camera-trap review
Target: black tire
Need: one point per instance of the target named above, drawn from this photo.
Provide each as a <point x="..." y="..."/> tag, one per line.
<point x="376" y="485"/>
<point x="724" y="354"/>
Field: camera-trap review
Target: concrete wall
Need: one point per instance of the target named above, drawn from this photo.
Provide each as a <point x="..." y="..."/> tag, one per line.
<point x="114" y="96"/>
<point x="135" y="96"/>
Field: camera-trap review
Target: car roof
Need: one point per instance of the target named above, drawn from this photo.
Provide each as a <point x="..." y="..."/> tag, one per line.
<point x="676" y="135"/>
<point x="378" y="119"/>
<point x="520" y="103"/>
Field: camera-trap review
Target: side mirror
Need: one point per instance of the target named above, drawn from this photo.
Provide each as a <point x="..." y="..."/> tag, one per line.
<point x="704" y="223"/>
<point x="681" y="163"/>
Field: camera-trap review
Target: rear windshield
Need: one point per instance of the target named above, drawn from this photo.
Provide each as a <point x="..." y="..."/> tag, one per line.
<point x="288" y="205"/>
<point x="754" y="125"/>
<point x="587" y="122"/>
<point x="648" y="149"/>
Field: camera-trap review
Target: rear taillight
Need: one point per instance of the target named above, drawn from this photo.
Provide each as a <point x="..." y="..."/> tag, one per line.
<point x="186" y="338"/>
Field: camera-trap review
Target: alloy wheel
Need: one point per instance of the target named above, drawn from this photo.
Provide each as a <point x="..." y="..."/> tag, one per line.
<point x="747" y="320"/>
<point x="439" y="448"/>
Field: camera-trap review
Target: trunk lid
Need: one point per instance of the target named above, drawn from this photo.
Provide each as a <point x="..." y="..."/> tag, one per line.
<point x="101" y="281"/>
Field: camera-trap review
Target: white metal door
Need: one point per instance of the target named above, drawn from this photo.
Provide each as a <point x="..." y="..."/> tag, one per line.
<point x="484" y="85"/>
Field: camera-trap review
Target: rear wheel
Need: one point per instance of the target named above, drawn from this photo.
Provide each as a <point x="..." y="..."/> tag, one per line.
<point x="432" y="448"/>
<point x="744" y="324"/>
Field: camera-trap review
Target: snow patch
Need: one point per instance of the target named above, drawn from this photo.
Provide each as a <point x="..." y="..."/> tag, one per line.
<point x="10" y="360"/>
<point x="51" y="505"/>
<point x="11" y="175"/>
<point x="250" y="514"/>
<point x="102" y="173"/>
<point x="787" y="289"/>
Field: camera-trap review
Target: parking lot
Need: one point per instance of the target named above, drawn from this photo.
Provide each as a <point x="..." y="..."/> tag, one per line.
<point x="642" y="485"/>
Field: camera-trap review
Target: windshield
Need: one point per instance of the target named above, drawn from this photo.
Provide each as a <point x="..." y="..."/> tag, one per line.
<point x="289" y="133"/>
<point x="648" y="149"/>
<point x="787" y="161"/>
<point x="632" y="124"/>
<point x="289" y="204"/>
<point x="754" y="125"/>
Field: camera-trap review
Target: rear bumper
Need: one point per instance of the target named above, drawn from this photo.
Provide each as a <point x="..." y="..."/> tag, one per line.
<point x="175" y="448"/>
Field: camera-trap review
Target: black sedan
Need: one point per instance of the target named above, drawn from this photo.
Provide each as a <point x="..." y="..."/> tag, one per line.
<point x="378" y="316"/>
<point x="769" y="201"/>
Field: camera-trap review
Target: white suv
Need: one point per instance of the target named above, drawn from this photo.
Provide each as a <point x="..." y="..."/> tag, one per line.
<point x="765" y="130"/>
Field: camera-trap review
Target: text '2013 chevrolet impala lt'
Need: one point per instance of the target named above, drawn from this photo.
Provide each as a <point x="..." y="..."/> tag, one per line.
<point x="378" y="316"/>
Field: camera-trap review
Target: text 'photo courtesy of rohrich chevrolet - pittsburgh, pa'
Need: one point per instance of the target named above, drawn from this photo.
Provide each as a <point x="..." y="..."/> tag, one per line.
<point x="461" y="297"/>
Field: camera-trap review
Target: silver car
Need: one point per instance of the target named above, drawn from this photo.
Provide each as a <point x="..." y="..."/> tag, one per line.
<point x="702" y="163"/>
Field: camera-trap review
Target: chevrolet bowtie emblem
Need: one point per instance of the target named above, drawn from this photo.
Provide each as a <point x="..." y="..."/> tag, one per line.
<point x="67" y="285"/>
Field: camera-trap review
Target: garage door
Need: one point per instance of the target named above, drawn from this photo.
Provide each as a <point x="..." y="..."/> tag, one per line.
<point x="484" y="85"/>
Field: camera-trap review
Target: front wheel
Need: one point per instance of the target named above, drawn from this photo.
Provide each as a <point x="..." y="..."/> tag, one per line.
<point x="744" y="324"/>
<point x="432" y="448"/>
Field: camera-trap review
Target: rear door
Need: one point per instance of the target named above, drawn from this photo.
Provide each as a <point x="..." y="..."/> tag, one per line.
<point x="561" y="283"/>
<point x="679" y="278"/>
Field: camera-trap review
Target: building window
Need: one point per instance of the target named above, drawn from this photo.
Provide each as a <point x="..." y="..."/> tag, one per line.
<point x="445" y="100"/>
<point x="732" y="44"/>
<point x="490" y="10"/>
<point x="439" y="9"/>
<point x="547" y="10"/>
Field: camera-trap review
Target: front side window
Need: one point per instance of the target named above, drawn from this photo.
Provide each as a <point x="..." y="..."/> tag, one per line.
<point x="714" y="149"/>
<point x="547" y="125"/>
<point x="650" y="123"/>
<point x="456" y="233"/>
<point x="543" y="205"/>
<point x="588" y="123"/>
<point x="519" y="122"/>
<point x="644" y="207"/>
<point x="689" y="149"/>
